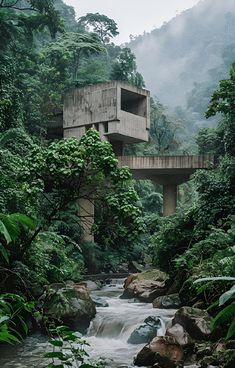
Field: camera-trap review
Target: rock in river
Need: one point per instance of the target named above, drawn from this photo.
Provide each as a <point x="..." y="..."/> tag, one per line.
<point x="70" y="305"/>
<point x="145" y="332"/>
<point x="196" y="322"/>
<point x="171" y="301"/>
<point x="162" y="350"/>
<point x="145" y="286"/>
<point x="178" y="332"/>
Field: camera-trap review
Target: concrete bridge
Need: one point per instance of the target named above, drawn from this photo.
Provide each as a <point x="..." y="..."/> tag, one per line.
<point x="120" y="112"/>
<point x="169" y="171"/>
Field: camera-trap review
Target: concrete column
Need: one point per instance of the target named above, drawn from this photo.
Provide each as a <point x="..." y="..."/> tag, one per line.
<point x="169" y="199"/>
<point x="117" y="147"/>
<point x="86" y="213"/>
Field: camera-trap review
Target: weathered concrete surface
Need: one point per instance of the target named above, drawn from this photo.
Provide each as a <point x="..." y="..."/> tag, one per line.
<point x="118" y="110"/>
<point x="169" y="171"/>
<point x="86" y="213"/>
<point x="166" y="169"/>
<point x="169" y="199"/>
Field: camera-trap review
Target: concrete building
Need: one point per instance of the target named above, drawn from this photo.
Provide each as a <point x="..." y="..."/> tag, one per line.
<point x="121" y="114"/>
<point x="118" y="110"/>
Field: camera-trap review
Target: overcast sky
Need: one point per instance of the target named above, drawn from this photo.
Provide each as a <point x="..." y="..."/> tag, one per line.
<point x="133" y="16"/>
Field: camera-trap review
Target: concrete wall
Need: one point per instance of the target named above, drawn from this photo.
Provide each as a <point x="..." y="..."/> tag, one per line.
<point x="118" y="110"/>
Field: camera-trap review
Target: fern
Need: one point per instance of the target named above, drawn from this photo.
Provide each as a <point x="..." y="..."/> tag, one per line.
<point x="226" y="315"/>
<point x="10" y="230"/>
<point x="231" y="330"/>
<point x="13" y="223"/>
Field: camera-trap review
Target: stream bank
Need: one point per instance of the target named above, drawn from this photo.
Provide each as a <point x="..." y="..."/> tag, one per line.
<point x="182" y="336"/>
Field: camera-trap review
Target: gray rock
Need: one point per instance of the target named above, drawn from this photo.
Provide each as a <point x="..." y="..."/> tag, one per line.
<point x="178" y="332"/>
<point x="91" y="285"/>
<point x="145" y="332"/>
<point x="196" y="322"/>
<point x="99" y="302"/>
<point x="167" y="302"/>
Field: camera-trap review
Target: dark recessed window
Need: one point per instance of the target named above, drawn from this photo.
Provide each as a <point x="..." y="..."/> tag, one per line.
<point x="134" y="103"/>
<point x="106" y="127"/>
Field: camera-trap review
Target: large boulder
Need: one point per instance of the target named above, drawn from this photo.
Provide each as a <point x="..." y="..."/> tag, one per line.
<point x="70" y="305"/>
<point x="196" y="322"/>
<point x="145" y="332"/>
<point x="145" y="286"/>
<point x="171" y="301"/>
<point x="164" y="351"/>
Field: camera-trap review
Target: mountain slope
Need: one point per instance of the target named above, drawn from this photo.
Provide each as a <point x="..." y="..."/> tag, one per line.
<point x="191" y="53"/>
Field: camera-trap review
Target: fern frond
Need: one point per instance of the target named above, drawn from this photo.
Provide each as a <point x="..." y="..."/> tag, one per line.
<point x="225" y="315"/>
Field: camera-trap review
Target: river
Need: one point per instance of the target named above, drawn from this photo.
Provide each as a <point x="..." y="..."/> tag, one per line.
<point x="107" y="335"/>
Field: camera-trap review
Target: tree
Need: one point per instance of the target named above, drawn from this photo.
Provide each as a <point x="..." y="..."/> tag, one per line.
<point x="163" y="130"/>
<point x="33" y="14"/>
<point x="103" y="26"/>
<point x="64" y="55"/>
<point x="125" y="69"/>
<point x="69" y="170"/>
<point x="223" y="102"/>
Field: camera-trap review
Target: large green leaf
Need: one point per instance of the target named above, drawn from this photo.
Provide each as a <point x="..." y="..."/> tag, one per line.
<point x="4" y="252"/>
<point x="220" y="278"/>
<point x="4" y="318"/>
<point x="13" y="224"/>
<point x="231" y="330"/>
<point x="225" y="315"/>
<point x="23" y="220"/>
<point x="227" y="295"/>
<point x="4" y="232"/>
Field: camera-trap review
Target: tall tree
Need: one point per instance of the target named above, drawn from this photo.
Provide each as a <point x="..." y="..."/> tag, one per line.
<point x="124" y="68"/>
<point x="105" y="27"/>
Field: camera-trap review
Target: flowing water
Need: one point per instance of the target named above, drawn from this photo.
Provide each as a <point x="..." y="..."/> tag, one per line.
<point x="107" y="335"/>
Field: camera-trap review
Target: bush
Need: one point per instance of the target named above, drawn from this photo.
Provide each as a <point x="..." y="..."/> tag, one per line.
<point x="53" y="258"/>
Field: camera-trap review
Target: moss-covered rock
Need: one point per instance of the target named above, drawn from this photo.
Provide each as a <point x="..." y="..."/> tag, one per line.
<point x="171" y="301"/>
<point x="70" y="305"/>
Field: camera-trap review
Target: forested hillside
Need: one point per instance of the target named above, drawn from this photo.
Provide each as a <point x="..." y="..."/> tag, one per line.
<point x="183" y="61"/>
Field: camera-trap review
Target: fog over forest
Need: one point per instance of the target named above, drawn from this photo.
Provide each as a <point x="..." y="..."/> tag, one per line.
<point x="193" y="50"/>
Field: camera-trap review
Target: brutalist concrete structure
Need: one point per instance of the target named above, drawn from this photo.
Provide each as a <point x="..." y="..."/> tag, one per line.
<point x="118" y="110"/>
<point x="168" y="171"/>
<point x="121" y="114"/>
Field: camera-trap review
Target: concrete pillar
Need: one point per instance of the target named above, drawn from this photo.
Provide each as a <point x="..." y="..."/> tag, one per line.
<point x="117" y="147"/>
<point x="86" y="213"/>
<point x="169" y="199"/>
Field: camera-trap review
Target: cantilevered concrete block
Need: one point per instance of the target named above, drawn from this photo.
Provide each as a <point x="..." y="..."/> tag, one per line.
<point x="118" y="110"/>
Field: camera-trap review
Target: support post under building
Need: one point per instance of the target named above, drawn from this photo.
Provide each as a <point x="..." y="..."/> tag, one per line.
<point x="86" y="214"/>
<point x="169" y="199"/>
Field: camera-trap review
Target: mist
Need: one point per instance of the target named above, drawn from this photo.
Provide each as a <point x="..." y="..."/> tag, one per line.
<point x="185" y="51"/>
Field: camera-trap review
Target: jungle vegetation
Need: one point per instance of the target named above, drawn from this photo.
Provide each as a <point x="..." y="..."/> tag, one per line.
<point x="44" y="51"/>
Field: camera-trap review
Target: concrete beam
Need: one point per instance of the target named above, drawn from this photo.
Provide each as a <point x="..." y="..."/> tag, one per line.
<point x="169" y="171"/>
<point x="166" y="169"/>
